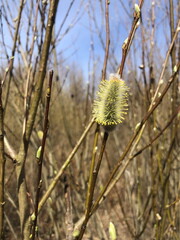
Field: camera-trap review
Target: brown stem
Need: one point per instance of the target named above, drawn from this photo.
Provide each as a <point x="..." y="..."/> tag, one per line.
<point x="146" y="117"/>
<point x="173" y="51"/>
<point x="40" y="160"/>
<point x="92" y="166"/>
<point x="64" y="166"/>
<point x="92" y="187"/>
<point x="2" y="168"/>
<point x="21" y="158"/>
<point x="159" y="134"/>
<point x="13" y="52"/>
<point x="174" y="97"/>
<point x="127" y="45"/>
<point x="107" y="41"/>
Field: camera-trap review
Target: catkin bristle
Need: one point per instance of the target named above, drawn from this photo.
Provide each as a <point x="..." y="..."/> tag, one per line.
<point x="111" y="104"/>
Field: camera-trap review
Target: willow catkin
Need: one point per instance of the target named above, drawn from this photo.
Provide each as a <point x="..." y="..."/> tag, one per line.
<point x="111" y="103"/>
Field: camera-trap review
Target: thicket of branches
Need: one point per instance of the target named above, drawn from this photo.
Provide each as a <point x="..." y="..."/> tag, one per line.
<point x="62" y="175"/>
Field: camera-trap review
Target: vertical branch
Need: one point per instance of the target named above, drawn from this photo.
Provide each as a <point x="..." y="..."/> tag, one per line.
<point x="13" y="52"/>
<point x="2" y="168"/>
<point x="30" y="68"/>
<point x="64" y="166"/>
<point x="94" y="171"/>
<point x="68" y="217"/>
<point x="144" y="64"/>
<point x="20" y="168"/>
<point x="127" y="44"/>
<point x="165" y="62"/>
<point x="107" y="41"/>
<point x="40" y="158"/>
<point x="112" y="179"/>
<point x="91" y="179"/>
<point x="173" y="63"/>
<point x="92" y="183"/>
<point x="42" y="68"/>
<point x="171" y="16"/>
<point x="154" y="182"/>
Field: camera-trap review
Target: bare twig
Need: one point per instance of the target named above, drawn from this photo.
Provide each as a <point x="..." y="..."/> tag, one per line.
<point x="64" y="166"/>
<point x="127" y="45"/>
<point x="26" y="103"/>
<point x="94" y="172"/>
<point x="11" y="227"/>
<point x="158" y="135"/>
<point x="13" y="52"/>
<point x="107" y="41"/>
<point x="92" y="183"/>
<point x="171" y="16"/>
<point x="111" y="182"/>
<point x="69" y="217"/>
<point x="40" y="158"/>
<point x="2" y="167"/>
<point x="20" y="168"/>
<point x="165" y="61"/>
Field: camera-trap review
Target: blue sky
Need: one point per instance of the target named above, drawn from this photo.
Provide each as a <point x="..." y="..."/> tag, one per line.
<point x="75" y="45"/>
<point x="80" y="37"/>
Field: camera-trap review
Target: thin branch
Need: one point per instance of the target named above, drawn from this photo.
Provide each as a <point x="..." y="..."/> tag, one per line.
<point x="171" y="16"/>
<point x="107" y="41"/>
<point x="21" y="158"/>
<point x="2" y="167"/>
<point x="110" y="183"/>
<point x="92" y="183"/>
<point x="40" y="158"/>
<point x="64" y="166"/>
<point x="158" y="135"/>
<point x="11" y="227"/>
<point x="126" y="46"/>
<point x="13" y="52"/>
<point x="94" y="172"/>
<point x="30" y="69"/>
<point x="166" y="61"/>
<point x="9" y="148"/>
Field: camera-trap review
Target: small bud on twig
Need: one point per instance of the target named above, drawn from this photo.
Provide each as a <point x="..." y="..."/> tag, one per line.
<point x="137" y="11"/>
<point x="38" y="153"/>
<point x="112" y="231"/>
<point x="125" y="43"/>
